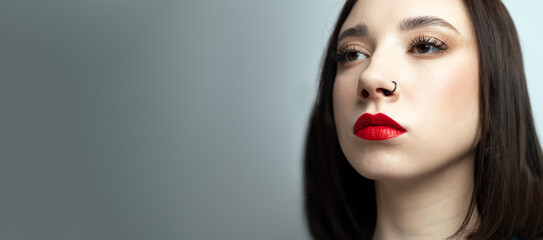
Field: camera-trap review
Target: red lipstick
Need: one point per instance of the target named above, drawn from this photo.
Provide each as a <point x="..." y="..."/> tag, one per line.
<point x="377" y="127"/>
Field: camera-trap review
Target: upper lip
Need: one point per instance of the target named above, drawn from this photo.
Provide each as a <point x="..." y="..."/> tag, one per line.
<point x="378" y="119"/>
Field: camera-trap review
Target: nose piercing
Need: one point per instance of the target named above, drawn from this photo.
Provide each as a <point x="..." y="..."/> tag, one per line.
<point x="387" y="92"/>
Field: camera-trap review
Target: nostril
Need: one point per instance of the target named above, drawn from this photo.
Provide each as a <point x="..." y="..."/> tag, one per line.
<point x="385" y="91"/>
<point x="365" y="93"/>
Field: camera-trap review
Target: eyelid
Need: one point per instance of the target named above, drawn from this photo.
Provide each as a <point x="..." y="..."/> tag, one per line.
<point x="338" y="55"/>
<point x="436" y="42"/>
<point x="355" y="46"/>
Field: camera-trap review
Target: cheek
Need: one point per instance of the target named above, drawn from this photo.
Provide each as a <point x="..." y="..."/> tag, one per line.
<point x="342" y="99"/>
<point x="448" y="86"/>
<point x="459" y="90"/>
<point x="451" y="100"/>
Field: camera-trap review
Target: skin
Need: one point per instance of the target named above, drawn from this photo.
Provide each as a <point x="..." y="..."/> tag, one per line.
<point x="424" y="177"/>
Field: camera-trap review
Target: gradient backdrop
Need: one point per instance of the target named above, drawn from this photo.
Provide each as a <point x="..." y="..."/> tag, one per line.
<point x="167" y="119"/>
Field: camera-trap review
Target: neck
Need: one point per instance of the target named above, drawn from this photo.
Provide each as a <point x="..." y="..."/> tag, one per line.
<point x="431" y="207"/>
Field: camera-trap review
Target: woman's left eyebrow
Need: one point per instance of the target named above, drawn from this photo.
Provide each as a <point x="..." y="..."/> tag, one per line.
<point x="361" y="30"/>
<point x="418" y="22"/>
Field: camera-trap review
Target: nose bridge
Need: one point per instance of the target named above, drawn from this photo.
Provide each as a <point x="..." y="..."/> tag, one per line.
<point x="379" y="77"/>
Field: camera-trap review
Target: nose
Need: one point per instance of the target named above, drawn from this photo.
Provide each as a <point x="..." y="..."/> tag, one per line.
<point x="378" y="82"/>
<point x="380" y="91"/>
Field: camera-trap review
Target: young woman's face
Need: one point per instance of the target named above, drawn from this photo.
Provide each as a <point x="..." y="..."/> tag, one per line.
<point x="427" y="49"/>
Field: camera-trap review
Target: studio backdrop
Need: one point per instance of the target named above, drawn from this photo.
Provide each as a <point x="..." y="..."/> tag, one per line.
<point x="168" y="119"/>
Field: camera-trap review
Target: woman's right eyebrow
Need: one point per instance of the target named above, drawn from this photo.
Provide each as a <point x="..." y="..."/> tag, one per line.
<point x="360" y="30"/>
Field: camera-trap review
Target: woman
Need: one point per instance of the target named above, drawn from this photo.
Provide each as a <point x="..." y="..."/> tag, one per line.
<point x="422" y="127"/>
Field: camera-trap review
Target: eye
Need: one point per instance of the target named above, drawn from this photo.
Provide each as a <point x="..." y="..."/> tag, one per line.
<point x="353" y="56"/>
<point x="348" y="55"/>
<point x="423" y="45"/>
<point x="425" y="48"/>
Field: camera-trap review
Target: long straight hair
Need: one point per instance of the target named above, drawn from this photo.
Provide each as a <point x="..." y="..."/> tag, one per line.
<point x="508" y="179"/>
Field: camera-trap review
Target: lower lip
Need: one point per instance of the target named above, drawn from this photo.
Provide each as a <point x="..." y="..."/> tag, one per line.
<point x="378" y="133"/>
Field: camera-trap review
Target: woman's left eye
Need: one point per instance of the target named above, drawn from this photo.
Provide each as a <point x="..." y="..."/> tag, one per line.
<point x="425" y="48"/>
<point x="423" y="45"/>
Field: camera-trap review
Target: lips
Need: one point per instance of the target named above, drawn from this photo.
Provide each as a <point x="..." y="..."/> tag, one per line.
<point x="377" y="127"/>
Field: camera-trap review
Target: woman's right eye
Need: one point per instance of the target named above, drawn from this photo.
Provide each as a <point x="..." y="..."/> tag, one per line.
<point x="353" y="56"/>
<point x="348" y="55"/>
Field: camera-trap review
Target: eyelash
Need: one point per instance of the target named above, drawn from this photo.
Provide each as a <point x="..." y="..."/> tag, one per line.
<point x="341" y="55"/>
<point x="425" y="40"/>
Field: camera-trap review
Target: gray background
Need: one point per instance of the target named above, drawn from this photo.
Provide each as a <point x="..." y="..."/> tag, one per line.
<point x="167" y="119"/>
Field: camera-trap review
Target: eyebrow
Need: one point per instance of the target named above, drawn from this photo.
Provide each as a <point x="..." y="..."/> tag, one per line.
<point x="418" y="22"/>
<point x="361" y="30"/>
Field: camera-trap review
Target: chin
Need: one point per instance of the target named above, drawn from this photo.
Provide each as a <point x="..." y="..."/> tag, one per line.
<point x="384" y="167"/>
<point x="389" y="175"/>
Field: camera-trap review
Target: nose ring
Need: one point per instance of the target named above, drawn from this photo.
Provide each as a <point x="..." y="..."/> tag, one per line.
<point x="387" y="92"/>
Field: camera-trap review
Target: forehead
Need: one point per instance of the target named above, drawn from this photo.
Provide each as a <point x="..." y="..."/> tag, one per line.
<point x="387" y="14"/>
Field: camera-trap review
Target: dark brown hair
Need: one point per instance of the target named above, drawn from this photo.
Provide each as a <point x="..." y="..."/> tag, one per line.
<point x="508" y="178"/>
